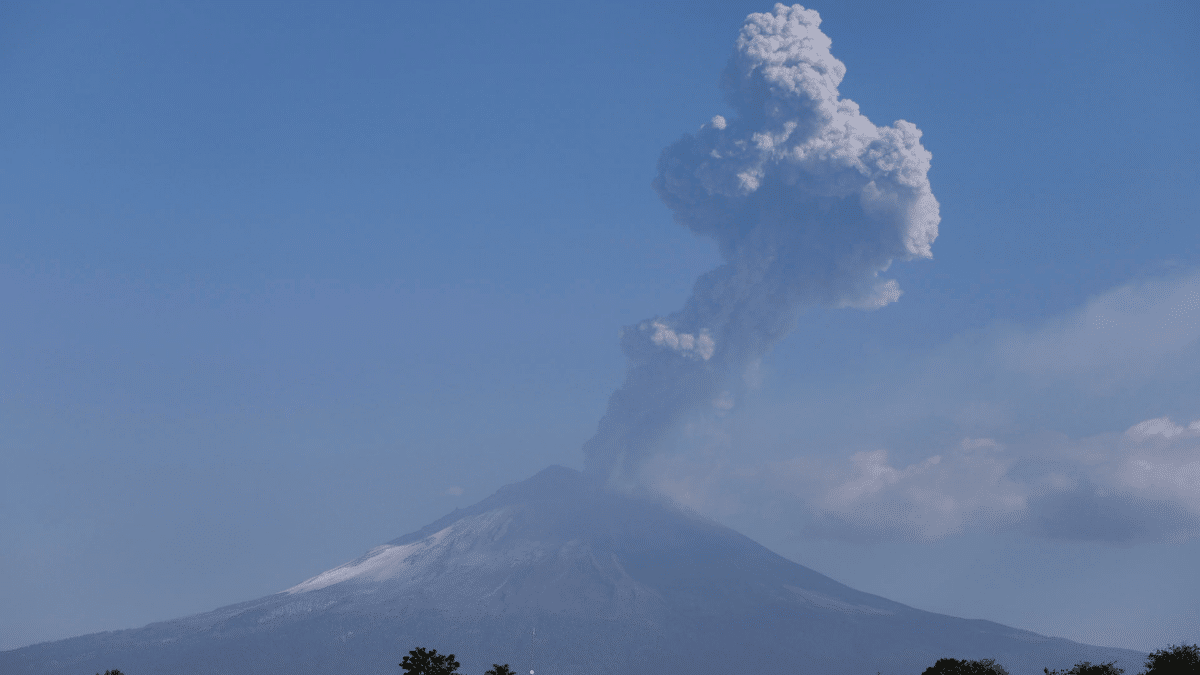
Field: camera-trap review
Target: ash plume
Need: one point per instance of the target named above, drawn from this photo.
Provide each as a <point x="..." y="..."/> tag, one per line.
<point x="808" y="202"/>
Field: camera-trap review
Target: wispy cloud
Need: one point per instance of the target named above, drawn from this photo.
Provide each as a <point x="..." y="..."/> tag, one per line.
<point x="1125" y="335"/>
<point x="1140" y="485"/>
<point x="1132" y="348"/>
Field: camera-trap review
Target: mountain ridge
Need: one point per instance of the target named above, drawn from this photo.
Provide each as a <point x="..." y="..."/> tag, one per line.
<point x="560" y="575"/>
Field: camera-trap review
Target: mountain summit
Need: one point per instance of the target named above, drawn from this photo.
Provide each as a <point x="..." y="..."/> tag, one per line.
<point x="556" y="576"/>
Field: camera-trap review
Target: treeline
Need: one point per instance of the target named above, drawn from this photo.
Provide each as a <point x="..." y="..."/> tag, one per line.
<point x="421" y="662"/>
<point x="1174" y="660"/>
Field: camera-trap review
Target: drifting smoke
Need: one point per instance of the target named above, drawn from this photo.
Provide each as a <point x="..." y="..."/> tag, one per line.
<point x="808" y="202"/>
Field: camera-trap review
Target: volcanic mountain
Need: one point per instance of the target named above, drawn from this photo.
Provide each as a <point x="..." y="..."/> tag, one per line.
<point x="556" y="576"/>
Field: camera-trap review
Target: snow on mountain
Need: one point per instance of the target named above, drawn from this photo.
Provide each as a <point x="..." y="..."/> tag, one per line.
<point x="556" y="576"/>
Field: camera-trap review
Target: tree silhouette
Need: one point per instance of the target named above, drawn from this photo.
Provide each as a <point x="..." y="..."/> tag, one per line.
<point x="1088" y="668"/>
<point x="957" y="667"/>
<point x="114" y="671"/>
<point x="421" y="662"/>
<point x="498" y="669"/>
<point x="1174" y="660"/>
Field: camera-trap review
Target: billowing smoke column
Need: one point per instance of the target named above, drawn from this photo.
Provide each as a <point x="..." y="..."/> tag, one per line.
<point x="808" y="202"/>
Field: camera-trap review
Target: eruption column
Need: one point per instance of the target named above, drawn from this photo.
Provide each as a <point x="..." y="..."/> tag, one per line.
<point x="808" y="202"/>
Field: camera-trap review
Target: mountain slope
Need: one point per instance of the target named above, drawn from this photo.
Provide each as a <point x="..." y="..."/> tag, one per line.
<point x="553" y="575"/>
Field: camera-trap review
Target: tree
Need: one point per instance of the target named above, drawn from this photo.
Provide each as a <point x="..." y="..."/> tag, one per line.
<point x="421" y="662"/>
<point x="957" y="667"/>
<point x="114" y="671"/>
<point x="1174" y="660"/>
<point x="1089" y="668"/>
<point x="498" y="669"/>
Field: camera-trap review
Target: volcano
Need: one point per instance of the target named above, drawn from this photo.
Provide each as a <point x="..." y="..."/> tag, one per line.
<point x="555" y="576"/>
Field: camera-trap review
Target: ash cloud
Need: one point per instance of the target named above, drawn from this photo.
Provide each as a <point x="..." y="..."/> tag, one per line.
<point x="808" y="201"/>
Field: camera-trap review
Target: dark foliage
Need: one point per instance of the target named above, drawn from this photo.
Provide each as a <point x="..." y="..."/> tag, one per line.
<point x="498" y="669"/>
<point x="1174" y="660"/>
<point x="421" y="662"/>
<point x="957" y="667"/>
<point x="1089" y="668"/>
<point x="112" y="672"/>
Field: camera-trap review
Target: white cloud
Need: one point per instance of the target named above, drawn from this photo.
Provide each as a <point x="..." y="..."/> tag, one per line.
<point x="700" y="345"/>
<point x="1133" y="332"/>
<point x="938" y="496"/>
<point x="1136" y="347"/>
<point x="1143" y="484"/>
<point x="1159" y="427"/>
<point x="1161" y="463"/>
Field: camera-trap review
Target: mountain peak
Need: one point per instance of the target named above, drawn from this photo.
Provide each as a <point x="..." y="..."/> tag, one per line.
<point x="556" y="574"/>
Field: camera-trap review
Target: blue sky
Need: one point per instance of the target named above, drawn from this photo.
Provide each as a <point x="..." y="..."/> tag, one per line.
<point x="282" y="282"/>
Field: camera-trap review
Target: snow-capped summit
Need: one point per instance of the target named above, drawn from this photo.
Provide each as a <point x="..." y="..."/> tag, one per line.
<point x="555" y="575"/>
